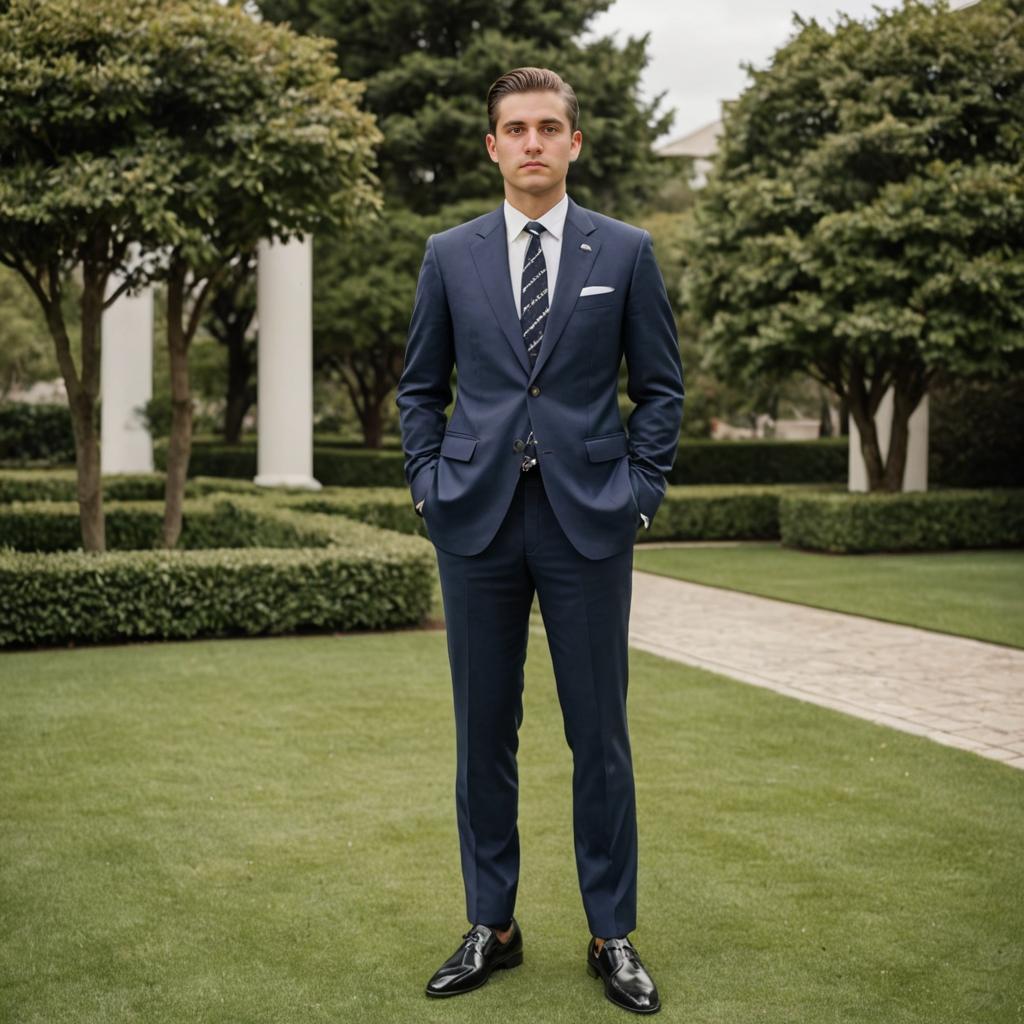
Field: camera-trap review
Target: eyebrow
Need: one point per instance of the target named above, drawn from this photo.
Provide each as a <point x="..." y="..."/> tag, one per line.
<point x="543" y="120"/>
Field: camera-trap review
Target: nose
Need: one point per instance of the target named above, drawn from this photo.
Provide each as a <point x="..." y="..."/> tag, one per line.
<point x="533" y="140"/>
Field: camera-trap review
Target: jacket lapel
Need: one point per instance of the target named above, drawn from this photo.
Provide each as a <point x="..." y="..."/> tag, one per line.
<point x="490" y="253"/>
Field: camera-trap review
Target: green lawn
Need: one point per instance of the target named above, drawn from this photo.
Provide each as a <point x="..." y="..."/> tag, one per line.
<point x="970" y="593"/>
<point x="264" y="831"/>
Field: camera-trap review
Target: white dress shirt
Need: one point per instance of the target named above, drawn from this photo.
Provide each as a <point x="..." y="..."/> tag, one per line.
<point x="550" y="243"/>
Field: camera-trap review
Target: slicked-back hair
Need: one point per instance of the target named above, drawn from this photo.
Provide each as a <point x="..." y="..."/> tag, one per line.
<point x="531" y="80"/>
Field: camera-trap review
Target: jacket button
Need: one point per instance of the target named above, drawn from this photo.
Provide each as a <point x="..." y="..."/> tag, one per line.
<point x="535" y="390"/>
<point x="518" y="445"/>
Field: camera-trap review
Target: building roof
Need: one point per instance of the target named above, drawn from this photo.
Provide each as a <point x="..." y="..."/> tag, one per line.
<point x="700" y="143"/>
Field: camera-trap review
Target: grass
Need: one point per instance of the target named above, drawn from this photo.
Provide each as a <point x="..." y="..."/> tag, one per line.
<point x="977" y="594"/>
<point x="263" y="831"/>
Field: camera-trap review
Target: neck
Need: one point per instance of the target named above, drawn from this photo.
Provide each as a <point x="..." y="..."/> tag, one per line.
<point x="534" y="206"/>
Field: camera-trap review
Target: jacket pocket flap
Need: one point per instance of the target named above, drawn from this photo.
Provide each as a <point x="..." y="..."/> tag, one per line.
<point x="611" y="446"/>
<point x="458" y="446"/>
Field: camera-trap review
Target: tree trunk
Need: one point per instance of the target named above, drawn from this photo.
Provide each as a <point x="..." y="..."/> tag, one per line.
<point x="359" y="380"/>
<point x="864" y="402"/>
<point x="824" y="414"/>
<point x="83" y="392"/>
<point x="97" y="256"/>
<point x="908" y="390"/>
<point x="179" y="447"/>
<point x="182" y="324"/>
<point x="234" y="415"/>
<point x="373" y="425"/>
<point x="90" y="481"/>
<point x="909" y="385"/>
<point x="369" y="382"/>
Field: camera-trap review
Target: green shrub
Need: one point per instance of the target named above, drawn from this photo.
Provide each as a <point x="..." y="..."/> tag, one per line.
<point x="37" y="433"/>
<point x="976" y="433"/>
<point x="78" y="597"/>
<point x="760" y="462"/>
<point x="333" y="466"/>
<point x="915" y="521"/>
<point x="217" y="521"/>
<point x="198" y="486"/>
<point x="333" y="573"/>
<point x="389" y="508"/>
<point x="715" y="512"/>
<point x="47" y="484"/>
<point x="61" y="485"/>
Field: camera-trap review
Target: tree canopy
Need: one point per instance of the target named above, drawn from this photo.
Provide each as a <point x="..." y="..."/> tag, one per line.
<point x="427" y="68"/>
<point x="182" y="128"/>
<point x="865" y="219"/>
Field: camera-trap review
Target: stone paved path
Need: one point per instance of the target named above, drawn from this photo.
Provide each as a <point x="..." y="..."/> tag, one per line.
<point x="961" y="692"/>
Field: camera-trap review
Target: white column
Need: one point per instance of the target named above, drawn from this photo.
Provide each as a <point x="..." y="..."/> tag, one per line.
<point x="284" y="411"/>
<point x="915" y="472"/>
<point x="126" y="382"/>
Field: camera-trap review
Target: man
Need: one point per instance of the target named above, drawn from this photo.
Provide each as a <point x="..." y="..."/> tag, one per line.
<point x="532" y="487"/>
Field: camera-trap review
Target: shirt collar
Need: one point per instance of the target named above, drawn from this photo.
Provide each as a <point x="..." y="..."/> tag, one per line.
<point x="553" y="220"/>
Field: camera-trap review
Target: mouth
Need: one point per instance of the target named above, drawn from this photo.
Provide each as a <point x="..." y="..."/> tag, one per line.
<point x="533" y="164"/>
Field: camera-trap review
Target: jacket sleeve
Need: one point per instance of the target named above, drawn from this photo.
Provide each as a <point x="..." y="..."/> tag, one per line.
<point x="655" y="381"/>
<point x="424" y="389"/>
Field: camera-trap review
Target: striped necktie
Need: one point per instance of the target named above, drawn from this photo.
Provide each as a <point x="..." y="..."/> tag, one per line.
<point x="534" y="303"/>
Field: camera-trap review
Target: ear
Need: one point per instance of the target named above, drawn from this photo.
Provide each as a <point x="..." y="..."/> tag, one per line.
<point x="491" y="143"/>
<point x="577" y="145"/>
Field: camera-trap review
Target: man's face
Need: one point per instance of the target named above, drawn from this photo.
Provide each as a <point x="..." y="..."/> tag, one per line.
<point x="533" y="143"/>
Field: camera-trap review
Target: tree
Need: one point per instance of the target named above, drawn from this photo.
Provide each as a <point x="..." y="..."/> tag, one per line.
<point x="185" y="127"/>
<point x="427" y="68"/>
<point x="865" y="218"/>
<point x="362" y="283"/>
<point x="69" y="195"/>
<point x="278" y="147"/>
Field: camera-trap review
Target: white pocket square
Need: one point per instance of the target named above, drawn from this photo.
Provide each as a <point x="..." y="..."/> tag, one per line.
<point x="596" y="289"/>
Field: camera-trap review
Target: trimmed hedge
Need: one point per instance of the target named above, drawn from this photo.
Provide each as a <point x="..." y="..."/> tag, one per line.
<point x="343" y="576"/>
<point x="389" y="508"/>
<point x="715" y="512"/>
<point x="333" y="466"/>
<point x="915" y="521"/>
<point x="60" y="485"/>
<point x="40" y="432"/>
<point x="166" y="595"/>
<point x="704" y="462"/>
<point x="46" y="526"/>
<point x="761" y="462"/>
<point x="976" y="431"/>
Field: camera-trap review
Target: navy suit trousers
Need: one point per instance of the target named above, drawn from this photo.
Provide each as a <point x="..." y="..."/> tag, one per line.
<point x="585" y="606"/>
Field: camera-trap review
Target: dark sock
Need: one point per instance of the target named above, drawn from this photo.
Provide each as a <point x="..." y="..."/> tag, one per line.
<point x="503" y="927"/>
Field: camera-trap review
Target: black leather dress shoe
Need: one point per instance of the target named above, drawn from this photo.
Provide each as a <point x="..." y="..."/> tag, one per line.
<point x="626" y="981"/>
<point x="471" y="964"/>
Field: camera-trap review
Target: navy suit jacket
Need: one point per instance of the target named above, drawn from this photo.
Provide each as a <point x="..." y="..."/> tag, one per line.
<point x="599" y="478"/>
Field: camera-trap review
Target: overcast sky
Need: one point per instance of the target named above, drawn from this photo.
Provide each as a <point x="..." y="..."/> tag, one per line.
<point x="696" y="47"/>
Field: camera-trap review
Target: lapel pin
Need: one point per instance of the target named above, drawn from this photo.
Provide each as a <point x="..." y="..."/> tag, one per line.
<point x="585" y="247"/>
